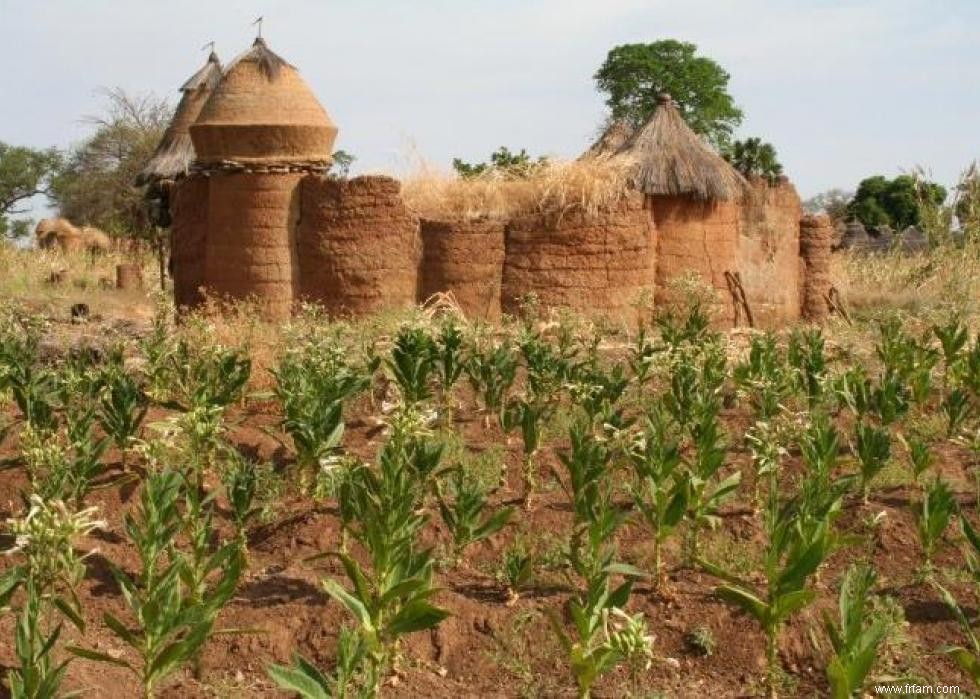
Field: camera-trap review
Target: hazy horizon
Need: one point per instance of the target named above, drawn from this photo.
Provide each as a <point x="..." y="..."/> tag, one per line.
<point x="842" y="89"/>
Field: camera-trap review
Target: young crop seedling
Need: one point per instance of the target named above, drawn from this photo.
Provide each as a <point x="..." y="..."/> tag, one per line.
<point x="492" y="371"/>
<point x="313" y="383"/>
<point x="659" y="489"/>
<point x="169" y="628"/>
<point x="933" y="514"/>
<point x="705" y="492"/>
<point x="241" y="479"/>
<point x="306" y="681"/>
<point x="872" y="446"/>
<point x="516" y="571"/>
<point x="806" y="353"/>
<point x="390" y="595"/>
<point x="413" y="362"/>
<point x="450" y="365"/>
<point x="49" y="576"/>
<point x="798" y="541"/>
<point x="122" y="409"/>
<point x="920" y="456"/>
<point x="967" y="658"/>
<point x="857" y="637"/>
<point x="464" y="515"/>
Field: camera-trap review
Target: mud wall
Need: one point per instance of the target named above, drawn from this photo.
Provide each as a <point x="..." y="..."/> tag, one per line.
<point x="768" y="250"/>
<point x="464" y="258"/>
<point x="597" y="265"/>
<point x="250" y="251"/>
<point x="188" y="232"/>
<point x="358" y="245"/>
<point x="816" y="239"/>
<point x="697" y="237"/>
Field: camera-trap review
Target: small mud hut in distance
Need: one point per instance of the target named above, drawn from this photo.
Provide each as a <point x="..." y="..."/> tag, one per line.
<point x="694" y="195"/>
<point x="258" y="135"/>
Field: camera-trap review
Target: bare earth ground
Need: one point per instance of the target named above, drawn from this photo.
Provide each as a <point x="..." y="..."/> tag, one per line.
<point x="489" y="648"/>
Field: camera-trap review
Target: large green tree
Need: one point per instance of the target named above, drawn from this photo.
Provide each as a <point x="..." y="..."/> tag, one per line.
<point x="897" y="202"/>
<point x="634" y="74"/>
<point x="95" y="186"/>
<point x="24" y="173"/>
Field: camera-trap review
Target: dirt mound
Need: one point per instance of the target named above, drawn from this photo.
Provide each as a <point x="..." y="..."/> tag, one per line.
<point x="189" y="212"/>
<point x="359" y="245"/>
<point x="250" y="247"/>
<point x="596" y="264"/>
<point x="466" y="259"/>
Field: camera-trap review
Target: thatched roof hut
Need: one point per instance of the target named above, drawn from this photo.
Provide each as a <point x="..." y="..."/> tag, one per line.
<point x="263" y="112"/>
<point x="613" y="138"/>
<point x="669" y="159"/>
<point x="174" y="155"/>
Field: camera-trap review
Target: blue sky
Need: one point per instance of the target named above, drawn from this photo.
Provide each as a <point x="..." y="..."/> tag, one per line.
<point x="842" y="89"/>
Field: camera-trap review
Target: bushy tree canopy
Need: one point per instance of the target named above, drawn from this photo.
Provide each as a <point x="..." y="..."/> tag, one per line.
<point x="634" y="74"/>
<point x="503" y="161"/>
<point x="754" y="157"/>
<point x="897" y="203"/>
<point x="95" y="187"/>
<point x="24" y="173"/>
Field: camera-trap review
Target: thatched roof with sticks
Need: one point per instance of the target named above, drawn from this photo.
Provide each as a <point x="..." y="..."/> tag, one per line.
<point x="263" y="112"/>
<point x="667" y="158"/>
<point x="175" y="153"/>
<point x="612" y="139"/>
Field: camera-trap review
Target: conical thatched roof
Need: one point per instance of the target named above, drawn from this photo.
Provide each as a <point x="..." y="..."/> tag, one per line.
<point x="262" y="111"/>
<point x="669" y="159"/>
<point x="175" y="153"/>
<point x="616" y="135"/>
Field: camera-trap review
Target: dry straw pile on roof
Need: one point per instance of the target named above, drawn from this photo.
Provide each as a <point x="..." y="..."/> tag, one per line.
<point x="175" y="153"/>
<point x="667" y="158"/>
<point x="553" y="187"/>
<point x="263" y="112"/>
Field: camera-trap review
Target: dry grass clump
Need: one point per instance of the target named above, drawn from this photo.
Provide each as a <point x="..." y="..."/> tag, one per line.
<point x="552" y="187"/>
<point x="929" y="287"/>
<point x="51" y="280"/>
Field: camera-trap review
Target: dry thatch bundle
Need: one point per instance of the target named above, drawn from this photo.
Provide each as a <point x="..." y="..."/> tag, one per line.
<point x="263" y="112"/>
<point x="175" y="153"/>
<point x="668" y="159"/>
<point x="615" y="136"/>
<point x="586" y="186"/>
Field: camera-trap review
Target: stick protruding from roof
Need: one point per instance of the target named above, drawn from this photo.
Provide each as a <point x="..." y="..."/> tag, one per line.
<point x="270" y="62"/>
<point x="667" y="158"/>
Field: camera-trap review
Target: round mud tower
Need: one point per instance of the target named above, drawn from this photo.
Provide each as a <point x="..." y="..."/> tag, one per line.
<point x="250" y="251"/>
<point x="598" y="265"/>
<point x="464" y="258"/>
<point x="700" y="237"/>
<point x="816" y="238"/>
<point x="768" y="250"/>
<point x="188" y="232"/>
<point x="359" y="245"/>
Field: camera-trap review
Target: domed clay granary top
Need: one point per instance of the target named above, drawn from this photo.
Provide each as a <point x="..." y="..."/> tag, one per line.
<point x="262" y="112"/>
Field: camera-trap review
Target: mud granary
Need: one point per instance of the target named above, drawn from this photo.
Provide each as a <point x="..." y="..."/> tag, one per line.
<point x="242" y="177"/>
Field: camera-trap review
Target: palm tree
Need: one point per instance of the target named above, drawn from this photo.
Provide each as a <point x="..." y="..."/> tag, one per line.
<point x="754" y="157"/>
